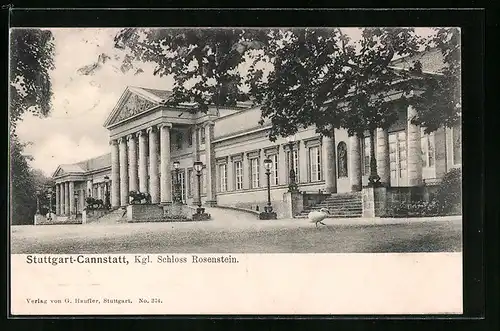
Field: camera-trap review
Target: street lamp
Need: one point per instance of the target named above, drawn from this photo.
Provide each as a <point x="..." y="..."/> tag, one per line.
<point x="107" y="203"/>
<point x="292" y="185"/>
<point x="200" y="212"/>
<point x="198" y="167"/>
<point x="76" y="203"/>
<point x="268" y="213"/>
<point x="177" y="197"/>
<point x="37" y="202"/>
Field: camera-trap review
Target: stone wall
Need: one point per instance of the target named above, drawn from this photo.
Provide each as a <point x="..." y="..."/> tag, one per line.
<point x="43" y="220"/>
<point x="159" y="213"/>
<point x="89" y="216"/>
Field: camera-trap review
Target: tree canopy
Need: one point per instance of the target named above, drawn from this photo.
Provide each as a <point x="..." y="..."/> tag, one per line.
<point x="31" y="60"/>
<point x="203" y="62"/>
<point x="305" y="77"/>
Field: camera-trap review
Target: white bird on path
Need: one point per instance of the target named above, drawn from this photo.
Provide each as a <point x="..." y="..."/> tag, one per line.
<point x="318" y="216"/>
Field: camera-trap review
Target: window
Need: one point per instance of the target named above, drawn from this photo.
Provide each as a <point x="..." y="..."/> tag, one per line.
<point x="222" y="177"/>
<point x="254" y="171"/>
<point x="190" y="137"/>
<point x="274" y="170"/>
<point x="202" y="135"/>
<point x="238" y="172"/>
<point x="342" y="159"/>
<point x="178" y="140"/>
<point x="180" y="180"/>
<point x="295" y="156"/>
<point x="427" y="147"/>
<point x="456" y="141"/>
<point x="315" y="164"/>
<point x="366" y="156"/>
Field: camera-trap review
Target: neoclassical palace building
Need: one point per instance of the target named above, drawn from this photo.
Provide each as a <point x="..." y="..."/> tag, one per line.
<point x="146" y="137"/>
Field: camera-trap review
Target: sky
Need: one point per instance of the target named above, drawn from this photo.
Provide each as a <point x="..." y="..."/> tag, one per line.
<point x="74" y="130"/>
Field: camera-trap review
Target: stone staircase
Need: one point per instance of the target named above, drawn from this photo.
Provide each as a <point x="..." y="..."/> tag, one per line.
<point x="113" y="217"/>
<point x="340" y="205"/>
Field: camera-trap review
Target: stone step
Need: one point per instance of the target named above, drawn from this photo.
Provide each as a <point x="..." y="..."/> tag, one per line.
<point x="334" y="216"/>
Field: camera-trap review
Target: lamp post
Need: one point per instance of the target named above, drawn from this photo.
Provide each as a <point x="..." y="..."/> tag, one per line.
<point x="200" y="211"/>
<point x="177" y="197"/>
<point x="268" y="213"/>
<point x="37" y="202"/>
<point x="50" y="200"/>
<point x="76" y="203"/>
<point x="292" y="185"/>
<point x="107" y="203"/>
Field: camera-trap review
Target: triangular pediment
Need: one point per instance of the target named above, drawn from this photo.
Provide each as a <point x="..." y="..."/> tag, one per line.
<point x="129" y="105"/>
<point x="59" y="172"/>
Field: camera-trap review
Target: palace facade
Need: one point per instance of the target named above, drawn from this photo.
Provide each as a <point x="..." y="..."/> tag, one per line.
<point x="146" y="137"/>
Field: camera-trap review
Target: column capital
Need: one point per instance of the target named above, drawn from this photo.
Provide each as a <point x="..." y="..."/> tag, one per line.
<point x="131" y="136"/>
<point x="164" y="125"/>
<point x="122" y="140"/>
<point x="151" y="129"/>
<point x="141" y="132"/>
<point x="208" y="123"/>
<point x="113" y="142"/>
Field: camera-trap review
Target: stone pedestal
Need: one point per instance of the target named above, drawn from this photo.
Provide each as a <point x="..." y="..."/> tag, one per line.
<point x="374" y="201"/>
<point x="294" y="204"/>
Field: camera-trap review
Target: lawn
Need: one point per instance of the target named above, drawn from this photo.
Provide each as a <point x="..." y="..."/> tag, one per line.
<point x="430" y="236"/>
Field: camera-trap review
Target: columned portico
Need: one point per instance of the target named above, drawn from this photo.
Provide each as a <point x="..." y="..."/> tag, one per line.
<point x="211" y="164"/>
<point x="414" y="150"/>
<point x="383" y="162"/>
<point x="330" y="172"/>
<point x="62" y="187"/>
<point x="165" y="174"/>
<point x="154" y="184"/>
<point x="355" y="153"/>
<point x="115" y="174"/>
<point x="71" y="197"/>
<point x="132" y="162"/>
<point x="143" y="162"/>
<point x="123" y="172"/>
<point x="58" y="199"/>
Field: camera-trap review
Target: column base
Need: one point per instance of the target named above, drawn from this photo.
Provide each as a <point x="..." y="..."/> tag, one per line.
<point x="268" y="215"/>
<point x="356" y="188"/>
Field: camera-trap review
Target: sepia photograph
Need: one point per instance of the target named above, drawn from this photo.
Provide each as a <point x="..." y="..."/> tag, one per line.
<point x="202" y="145"/>
<point x="335" y="140"/>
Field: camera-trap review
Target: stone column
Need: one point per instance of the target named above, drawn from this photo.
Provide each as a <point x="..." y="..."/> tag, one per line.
<point x="72" y="197"/>
<point x="211" y="166"/>
<point x="58" y="199"/>
<point x="355" y="175"/>
<point x="414" y="150"/>
<point x="154" y="180"/>
<point x="282" y="163"/>
<point x="383" y="163"/>
<point x="115" y="175"/>
<point x="62" y="207"/>
<point x="196" y="157"/>
<point x="143" y="163"/>
<point x="165" y="166"/>
<point x="123" y="172"/>
<point x="330" y="165"/>
<point x="132" y="162"/>
<point x="67" y="198"/>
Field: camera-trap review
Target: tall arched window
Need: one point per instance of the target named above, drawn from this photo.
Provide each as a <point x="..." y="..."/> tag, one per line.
<point x="342" y="159"/>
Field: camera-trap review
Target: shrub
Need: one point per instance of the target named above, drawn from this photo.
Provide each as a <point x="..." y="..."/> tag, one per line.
<point x="449" y="193"/>
<point x="446" y="201"/>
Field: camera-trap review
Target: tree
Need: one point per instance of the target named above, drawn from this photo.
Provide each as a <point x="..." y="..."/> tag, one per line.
<point x="22" y="185"/>
<point x="375" y="89"/>
<point x="203" y="62"/>
<point x="31" y="59"/>
<point x="320" y="78"/>
<point x="440" y="102"/>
